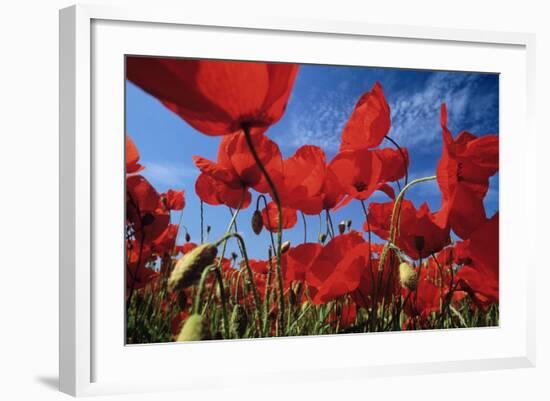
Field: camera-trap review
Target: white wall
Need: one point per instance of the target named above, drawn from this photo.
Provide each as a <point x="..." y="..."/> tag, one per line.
<point x="29" y="200"/>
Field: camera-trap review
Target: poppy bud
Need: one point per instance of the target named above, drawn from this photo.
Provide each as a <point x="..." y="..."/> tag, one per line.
<point x="348" y="224"/>
<point x="238" y="321"/>
<point x="285" y="246"/>
<point x="407" y="276"/>
<point x="187" y="237"/>
<point x="208" y="228"/>
<point x="342" y="227"/>
<point x="322" y="238"/>
<point x="190" y="266"/>
<point x="257" y="222"/>
<point x="193" y="329"/>
<point x="234" y="256"/>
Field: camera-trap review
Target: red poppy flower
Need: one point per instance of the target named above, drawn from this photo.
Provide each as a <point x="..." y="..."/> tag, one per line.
<point x="338" y="267"/>
<point x="394" y="167"/>
<point x="138" y="275"/>
<point x="215" y="192"/>
<point x="166" y="242"/>
<point x="259" y="270"/>
<point x="419" y="236"/>
<point x="344" y="315"/>
<point x="228" y="179"/>
<point x="359" y="172"/>
<point x="297" y="261"/>
<point x="270" y="217"/>
<point x="216" y="97"/>
<point x="425" y="299"/>
<point x="480" y="276"/>
<point x="369" y="123"/>
<point x="174" y="200"/>
<point x="372" y="285"/>
<point x="309" y="185"/>
<point x="258" y="266"/>
<point x="185" y="248"/>
<point x="132" y="157"/>
<point x="463" y="174"/>
<point x="238" y="154"/>
<point x="144" y="209"/>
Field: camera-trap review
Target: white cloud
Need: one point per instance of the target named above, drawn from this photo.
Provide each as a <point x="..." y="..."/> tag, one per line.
<point x="415" y="117"/>
<point x="319" y="120"/>
<point x="169" y="174"/>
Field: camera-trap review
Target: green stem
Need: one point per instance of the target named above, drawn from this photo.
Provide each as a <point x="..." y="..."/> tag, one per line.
<point x="197" y="305"/>
<point x="262" y="196"/>
<point x="219" y="274"/>
<point x="276" y="199"/>
<point x="202" y="222"/>
<point x="398" y="199"/>
<point x="267" y="295"/>
<point x="402" y="156"/>
<point x="305" y="226"/>
<point x="238" y="237"/>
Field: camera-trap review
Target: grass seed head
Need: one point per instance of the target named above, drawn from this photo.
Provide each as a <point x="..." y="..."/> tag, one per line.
<point x="194" y="329"/>
<point x="407" y="276"/>
<point x="238" y="322"/>
<point x="190" y="266"/>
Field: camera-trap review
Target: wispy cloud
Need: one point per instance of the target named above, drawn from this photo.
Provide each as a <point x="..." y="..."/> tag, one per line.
<point x="415" y="106"/>
<point x="415" y="116"/>
<point x="168" y="174"/>
<point x="319" y="120"/>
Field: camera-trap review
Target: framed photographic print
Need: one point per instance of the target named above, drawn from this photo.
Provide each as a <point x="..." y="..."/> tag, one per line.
<point x="253" y="192"/>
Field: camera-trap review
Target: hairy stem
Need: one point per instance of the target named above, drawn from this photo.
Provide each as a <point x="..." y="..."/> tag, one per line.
<point x="277" y="201"/>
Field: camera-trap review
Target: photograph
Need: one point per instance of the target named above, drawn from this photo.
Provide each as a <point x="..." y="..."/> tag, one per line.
<point x="270" y="199"/>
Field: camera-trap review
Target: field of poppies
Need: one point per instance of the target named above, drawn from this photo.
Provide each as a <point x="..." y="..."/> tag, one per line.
<point x="430" y="270"/>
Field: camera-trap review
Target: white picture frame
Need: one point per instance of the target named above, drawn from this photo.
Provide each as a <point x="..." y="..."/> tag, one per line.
<point x="90" y="35"/>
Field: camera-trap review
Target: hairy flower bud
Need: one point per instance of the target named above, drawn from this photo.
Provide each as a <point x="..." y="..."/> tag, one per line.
<point x="285" y="246"/>
<point x="187" y="237"/>
<point x="342" y="227"/>
<point x="238" y="321"/>
<point x="190" y="266"/>
<point x="257" y="222"/>
<point x="322" y="238"/>
<point x="407" y="276"/>
<point x="194" y="329"/>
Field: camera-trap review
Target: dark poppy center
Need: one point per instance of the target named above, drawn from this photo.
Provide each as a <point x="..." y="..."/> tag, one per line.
<point x="419" y="243"/>
<point x="360" y="186"/>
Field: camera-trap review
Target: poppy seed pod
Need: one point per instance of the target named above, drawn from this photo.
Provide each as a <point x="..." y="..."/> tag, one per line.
<point x="342" y="227"/>
<point x="257" y="222"/>
<point x="238" y="321"/>
<point x="285" y="246"/>
<point x="190" y="266"/>
<point x="407" y="276"/>
<point x="193" y="329"/>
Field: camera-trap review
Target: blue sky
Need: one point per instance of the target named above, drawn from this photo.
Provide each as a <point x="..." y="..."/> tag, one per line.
<point x="320" y="104"/>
